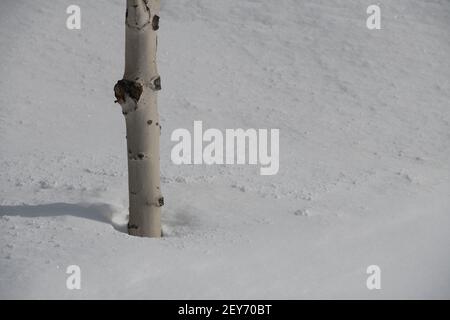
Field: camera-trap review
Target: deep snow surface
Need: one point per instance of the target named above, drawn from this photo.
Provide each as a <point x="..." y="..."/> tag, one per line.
<point x="364" y="119"/>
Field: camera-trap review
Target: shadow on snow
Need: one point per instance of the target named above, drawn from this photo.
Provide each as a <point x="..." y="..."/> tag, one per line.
<point x="101" y="212"/>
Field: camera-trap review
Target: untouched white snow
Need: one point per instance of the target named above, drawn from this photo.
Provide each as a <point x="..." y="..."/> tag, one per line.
<point x="364" y="119"/>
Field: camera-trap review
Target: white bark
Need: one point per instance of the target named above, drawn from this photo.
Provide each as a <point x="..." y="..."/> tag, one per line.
<point x="137" y="94"/>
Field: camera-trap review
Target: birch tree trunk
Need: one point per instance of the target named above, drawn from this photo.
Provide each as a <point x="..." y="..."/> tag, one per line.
<point x="137" y="95"/>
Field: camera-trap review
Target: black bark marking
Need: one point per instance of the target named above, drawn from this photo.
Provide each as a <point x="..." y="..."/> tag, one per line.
<point x="161" y="201"/>
<point x="155" y="22"/>
<point x="149" y="122"/>
<point x="127" y="87"/>
<point x="155" y="83"/>
<point x="133" y="226"/>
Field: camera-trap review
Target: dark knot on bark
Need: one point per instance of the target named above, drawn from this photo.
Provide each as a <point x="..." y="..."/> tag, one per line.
<point x="155" y="83"/>
<point x="127" y="87"/>
<point x="155" y="22"/>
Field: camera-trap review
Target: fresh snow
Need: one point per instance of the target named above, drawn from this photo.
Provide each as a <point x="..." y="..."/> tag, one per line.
<point x="364" y="179"/>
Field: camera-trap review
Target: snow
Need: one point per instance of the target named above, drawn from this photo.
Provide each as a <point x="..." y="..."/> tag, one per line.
<point x="364" y="175"/>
